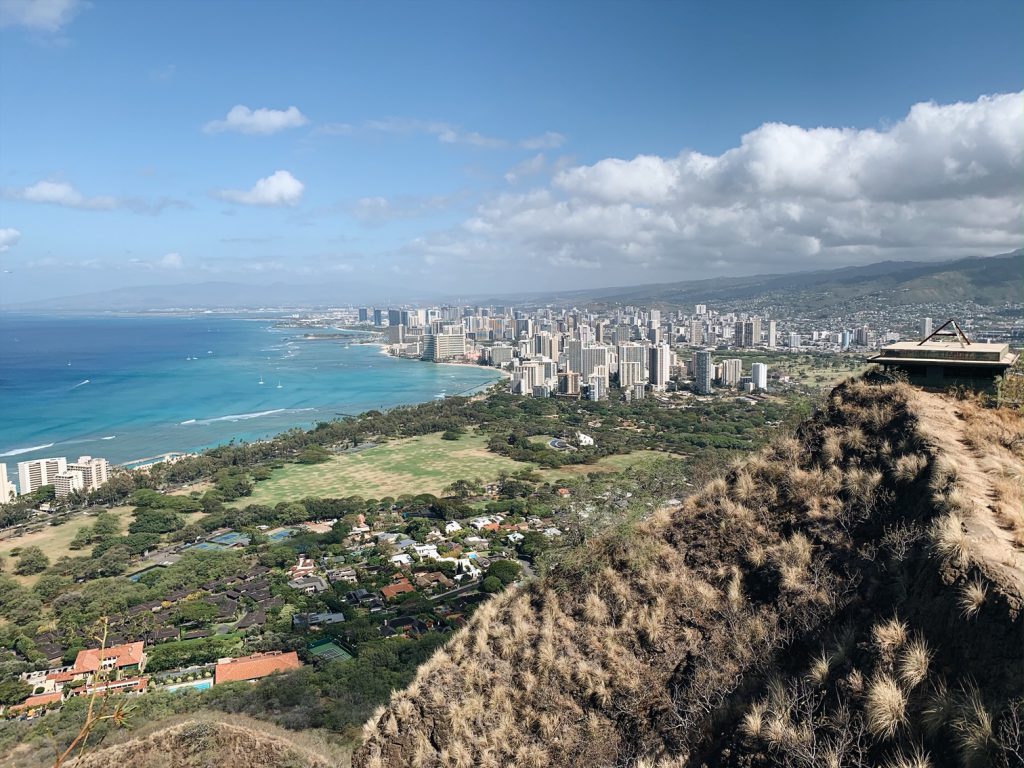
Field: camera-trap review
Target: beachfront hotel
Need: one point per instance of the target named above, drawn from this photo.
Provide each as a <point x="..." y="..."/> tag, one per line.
<point x="86" y="474"/>
<point x="8" y="490"/>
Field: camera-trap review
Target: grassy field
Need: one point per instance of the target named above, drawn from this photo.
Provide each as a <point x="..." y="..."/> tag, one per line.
<point x="414" y="465"/>
<point x="615" y="463"/>
<point x="54" y="539"/>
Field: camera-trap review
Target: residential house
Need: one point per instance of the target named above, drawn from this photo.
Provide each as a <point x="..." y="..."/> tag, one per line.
<point x="310" y="585"/>
<point x="255" y="667"/>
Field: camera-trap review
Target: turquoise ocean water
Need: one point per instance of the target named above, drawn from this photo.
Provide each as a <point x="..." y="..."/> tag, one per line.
<point x="127" y="388"/>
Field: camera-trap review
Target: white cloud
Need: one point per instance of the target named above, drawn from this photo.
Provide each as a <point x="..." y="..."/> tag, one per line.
<point x="946" y="180"/>
<point x="65" y="194"/>
<point x="257" y="121"/>
<point x="531" y="166"/>
<point x="377" y="210"/>
<point x="280" y="188"/>
<point x="446" y="133"/>
<point x="62" y="193"/>
<point x="8" y="237"/>
<point x="39" y="15"/>
<point x="172" y="261"/>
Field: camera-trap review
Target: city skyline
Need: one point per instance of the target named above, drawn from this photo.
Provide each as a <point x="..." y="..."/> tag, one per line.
<point x="454" y="148"/>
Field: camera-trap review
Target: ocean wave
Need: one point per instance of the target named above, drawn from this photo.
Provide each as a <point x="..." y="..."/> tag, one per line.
<point x="190" y="421"/>
<point x="246" y="416"/>
<point x="19" y="451"/>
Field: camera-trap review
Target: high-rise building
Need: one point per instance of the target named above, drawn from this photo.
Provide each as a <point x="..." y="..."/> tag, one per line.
<point x="700" y="309"/>
<point x="500" y="354"/>
<point x="450" y="343"/>
<point x="926" y="327"/>
<point x="771" y="334"/>
<point x="660" y="358"/>
<point x="747" y="333"/>
<point x="569" y="383"/>
<point x="364" y="314"/>
<point x="378" y="317"/>
<point x="67" y="483"/>
<point x="592" y="357"/>
<point x="597" y="384"/>
<point x="639" y="391"/>
<point x="394" y="317"/>
<point x="794" y="340"/>
<point x="33" y="475"/>
<point x="696" y="335"/>
<point x="396" y="334"/>
<point x="759" y="376"/>
<point x="94" y="471"/>
<point x="732" y="371"/>
<point x="702" y="371"/>
<point x="630" y="373"/>
<point x="633" y="353"/>
<point x="8" y="490"/>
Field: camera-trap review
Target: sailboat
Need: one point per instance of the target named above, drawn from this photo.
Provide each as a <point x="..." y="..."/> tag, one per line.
<point x="261" y="379"/>
<point x="279" y="385"/>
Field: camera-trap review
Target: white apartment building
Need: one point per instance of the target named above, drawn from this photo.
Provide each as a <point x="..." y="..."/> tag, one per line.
<point x="772" y="333"/>
<point x="448" y="344"/>
<point x="8" y="490"/>
<point x="732" y="372"/>
<point x="630" y="373"/>
<point x="67" y="483"/>
<point x="33" y="475"/>
<point x="759" y="376"/>
<point x="94" y="471"/>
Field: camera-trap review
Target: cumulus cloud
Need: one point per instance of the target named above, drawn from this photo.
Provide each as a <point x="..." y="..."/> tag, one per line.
<point x="257" y="121"/>
<point x="39" y="15"/>
<point x="8" y="237"/>
<point x="531" y="166"/>
<point x="944" y="181"/>
<point x="280" y="188"/>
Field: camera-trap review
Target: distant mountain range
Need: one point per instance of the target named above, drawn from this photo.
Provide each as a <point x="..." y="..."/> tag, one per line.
<point x="989" y="281"/>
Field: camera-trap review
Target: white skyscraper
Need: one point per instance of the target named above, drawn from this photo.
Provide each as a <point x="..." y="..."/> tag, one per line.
<point x="759" y="376"/>
<point x="732" y="371"/>
<point x="33" y="475"/>
<point x="633" y="353"/>
<point x="703" y="371"/>
<point x="8" y="490"/>
<point x="771" y="334"/>
<point x="926" y="327"/>
<point x="630" y="373"/>
<point x="794" y="340"/>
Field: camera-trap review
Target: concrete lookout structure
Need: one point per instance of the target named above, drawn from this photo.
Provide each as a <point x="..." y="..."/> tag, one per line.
<point x="947" y="358"/>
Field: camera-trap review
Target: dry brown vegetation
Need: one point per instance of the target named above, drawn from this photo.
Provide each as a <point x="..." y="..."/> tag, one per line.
<point x="807" y="609"/>
<point x="217" y="742"/>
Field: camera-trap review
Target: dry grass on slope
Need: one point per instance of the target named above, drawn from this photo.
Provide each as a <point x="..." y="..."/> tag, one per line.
<point x="647" y="647"/>
<point x="219" y="741"/>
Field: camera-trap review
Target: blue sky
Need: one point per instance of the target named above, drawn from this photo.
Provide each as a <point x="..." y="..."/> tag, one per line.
<point x="462" y="147"/>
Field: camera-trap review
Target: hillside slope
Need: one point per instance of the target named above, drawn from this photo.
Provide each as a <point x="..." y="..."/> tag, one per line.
<point x="988" y="281"/>
<point x="849" y="596"/>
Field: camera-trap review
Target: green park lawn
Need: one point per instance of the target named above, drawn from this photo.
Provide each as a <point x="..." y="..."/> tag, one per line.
<point x="424" y="464"/>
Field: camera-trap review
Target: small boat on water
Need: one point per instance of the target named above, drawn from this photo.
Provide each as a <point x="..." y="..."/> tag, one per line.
<point x="279" y="386"/>
<point x="261" y="379"/>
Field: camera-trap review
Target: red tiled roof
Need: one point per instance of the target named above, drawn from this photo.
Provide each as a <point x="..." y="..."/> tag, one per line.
<point x="255" y="666"/>
<point x="38" y="701"/>
<point x="125" y="655"/>
<point x="393" y="590"/>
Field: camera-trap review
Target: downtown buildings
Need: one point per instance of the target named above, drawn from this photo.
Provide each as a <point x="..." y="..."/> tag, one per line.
<point x="85" y="475"/>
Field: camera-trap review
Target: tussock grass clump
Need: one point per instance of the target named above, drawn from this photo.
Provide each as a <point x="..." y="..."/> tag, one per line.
<point x="889" y="637"/>
<point x="973" y="726"/>
<point x="972" y="597"/>
<point x="909" y="467"/>
<point x="915" y="758"/>
<point x="949" y="539"/>
<point x="938" y="708"/>
<point x="914" y="662"/>
<point x="885" y="706"/>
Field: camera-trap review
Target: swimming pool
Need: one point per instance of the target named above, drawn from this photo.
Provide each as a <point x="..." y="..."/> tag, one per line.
<point x="199" y="685"/>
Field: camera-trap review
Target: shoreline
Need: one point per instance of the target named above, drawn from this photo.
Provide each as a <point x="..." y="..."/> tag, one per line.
<point x="148" y="453"/>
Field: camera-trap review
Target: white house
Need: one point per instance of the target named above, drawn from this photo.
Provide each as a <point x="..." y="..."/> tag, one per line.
<point x="452" y="527"/>
<point x="515" y="537"/>
<point x="401" y="559"/>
